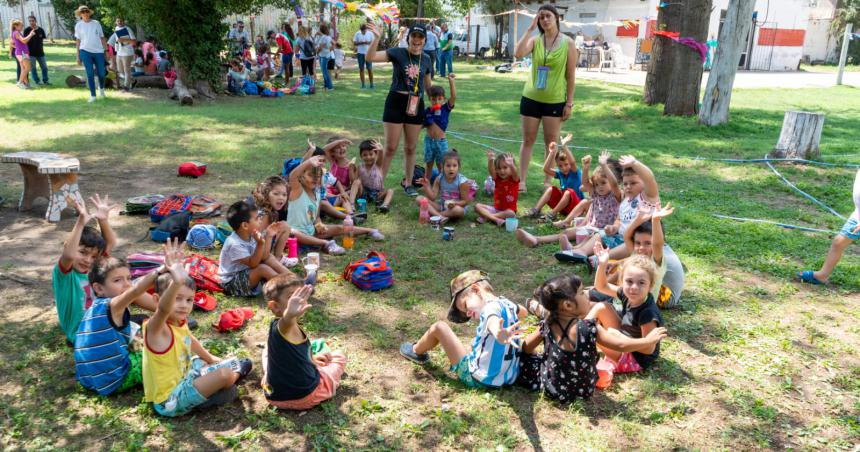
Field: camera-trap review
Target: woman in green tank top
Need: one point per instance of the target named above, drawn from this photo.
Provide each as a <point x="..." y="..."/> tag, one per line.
<point x="548" y="93"/>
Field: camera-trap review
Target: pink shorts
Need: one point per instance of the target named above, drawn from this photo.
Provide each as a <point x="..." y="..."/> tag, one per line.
<point x="627" y="364"/>
<point x="329" y="381"/>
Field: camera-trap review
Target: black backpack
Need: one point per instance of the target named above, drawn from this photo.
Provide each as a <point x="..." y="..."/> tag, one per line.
<point x="308" y="48"/>
<point x="172" y="226"/>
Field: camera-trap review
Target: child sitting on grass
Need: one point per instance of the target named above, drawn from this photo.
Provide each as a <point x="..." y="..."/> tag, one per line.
<point x="849" y="233"/>
<point x="568" y="194"/>
<point x="270" y="196"/>
<point x="639" y="313"/>
<point x="604" y="195"/>
<point x="293" y="378"/>
<point x="83" y="247"/>
<point x="503" y="170"/>
<point x="570" y="332"/>
<point x="449" y="196"/>
<point x="237" y="75"/>
<point x="103" y="361"/>
<point x="344" y="172"/>
<point x="303" y="212"/>
<point x="246" y="258"/>
<point x="493" y="361"/>
<point x="371" y="186"/>
<point x="174" y="377"/>
<point x="436" y="122"/>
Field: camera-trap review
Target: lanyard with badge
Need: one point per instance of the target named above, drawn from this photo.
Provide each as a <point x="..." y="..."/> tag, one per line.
<point x="412" y="104"/>
<point x="543" y="71"/>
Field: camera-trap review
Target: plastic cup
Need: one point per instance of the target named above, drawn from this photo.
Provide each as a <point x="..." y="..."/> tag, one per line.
<point x="435" y="222"/>
<point x="311" y="274"/>
<point x="605" y="372"/>
<point x="511" y="224"/>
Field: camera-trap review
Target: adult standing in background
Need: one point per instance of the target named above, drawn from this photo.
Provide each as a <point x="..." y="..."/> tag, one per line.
<point x="21" y="52"/>
<point x="324" y="49"/>
<point x="431" y="44"/>
<point x="548" y="93"/>
<point x="37" y="51"/>
<point x="238" y="38"/>
<point x="90" y="44"/>
<point x="362" y="41"/>
<point x="123" y="40"/>
<point x="446" y="51"/>
<point x="305" y="43"/>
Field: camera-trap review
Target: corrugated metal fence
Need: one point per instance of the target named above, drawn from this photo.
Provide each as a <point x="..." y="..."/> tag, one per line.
<point x="41" y="9"/>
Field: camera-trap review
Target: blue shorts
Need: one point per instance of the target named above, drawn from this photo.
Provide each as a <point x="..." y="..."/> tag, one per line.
<point x="371" y="195"/>
<point x="331" y="199"/>
<point x="611" y="241"/>
<point x="184" y="396"/>
<point x="435" y="149"/>
<point x="362" y="61"/>
<point x="461" y="369"/>
<point x="848" y="229"/>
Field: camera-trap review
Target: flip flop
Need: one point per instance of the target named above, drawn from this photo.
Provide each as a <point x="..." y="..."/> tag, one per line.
<point x="569" y="256"/>
<point x="808" y="276"/>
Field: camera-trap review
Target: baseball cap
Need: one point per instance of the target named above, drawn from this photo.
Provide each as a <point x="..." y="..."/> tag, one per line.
<point x="459" y="284"/>
<point x="205" y="301"/>
<point x="418" y="28"/>
<point x="233" y="319"/>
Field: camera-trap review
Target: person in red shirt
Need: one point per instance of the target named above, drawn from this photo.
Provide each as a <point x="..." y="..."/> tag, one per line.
<point x="503" y="170"/>
<point x="285" y="41"/>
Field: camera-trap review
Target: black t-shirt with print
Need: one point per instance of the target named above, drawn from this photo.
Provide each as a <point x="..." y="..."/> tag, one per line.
<point x="632" y="319"/>
<point x="36" y="44"/>
<point x="291" y="374"/>
<point x="408" y="68"/>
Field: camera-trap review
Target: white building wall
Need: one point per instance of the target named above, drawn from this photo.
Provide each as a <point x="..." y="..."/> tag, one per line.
<point x="819" y="45"/>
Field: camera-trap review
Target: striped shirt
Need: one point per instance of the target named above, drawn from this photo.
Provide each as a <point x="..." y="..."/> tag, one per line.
<point x="101" y="349"/>
<point x="490" y="362"/>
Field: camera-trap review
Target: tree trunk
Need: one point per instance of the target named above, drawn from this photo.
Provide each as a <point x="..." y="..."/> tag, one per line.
<point x="718" y="94"/>
<point x="150" y="81"/>
<point x="74" y="81"/>
<point x="662" y="56"/>
<point x="686" y="79"/>
<point x="180" y="90"/>
<point x="801" y="133"/>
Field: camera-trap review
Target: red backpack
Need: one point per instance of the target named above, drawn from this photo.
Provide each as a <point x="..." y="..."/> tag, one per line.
<point x="204" y="272"/>
<point x="172" y="204"/>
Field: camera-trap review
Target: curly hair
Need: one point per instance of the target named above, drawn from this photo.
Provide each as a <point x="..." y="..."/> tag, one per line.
<point x="261" y="194"/>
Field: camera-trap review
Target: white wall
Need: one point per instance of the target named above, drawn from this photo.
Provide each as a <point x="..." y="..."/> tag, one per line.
<point x="818" y="45"/>
<point x="44" y="12"/>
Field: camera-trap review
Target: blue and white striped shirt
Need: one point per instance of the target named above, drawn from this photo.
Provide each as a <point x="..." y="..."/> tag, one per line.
<point x="101" y="349"/>
<point x="492" y="363"/>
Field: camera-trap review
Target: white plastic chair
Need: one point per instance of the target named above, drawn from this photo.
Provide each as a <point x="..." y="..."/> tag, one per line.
<point x="606" y="60"/>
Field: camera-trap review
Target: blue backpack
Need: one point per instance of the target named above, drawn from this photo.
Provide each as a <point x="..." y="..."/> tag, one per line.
<point x="371" y="273"/>
<point x="290" y="165"/>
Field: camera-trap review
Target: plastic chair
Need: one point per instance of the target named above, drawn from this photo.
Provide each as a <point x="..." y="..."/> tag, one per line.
<point x="606" y="60"/>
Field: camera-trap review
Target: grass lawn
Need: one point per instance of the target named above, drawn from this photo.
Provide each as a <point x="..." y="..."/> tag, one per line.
<point x="754" y="360"/>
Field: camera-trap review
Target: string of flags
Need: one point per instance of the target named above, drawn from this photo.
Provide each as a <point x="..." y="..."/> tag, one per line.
<point x="700" y="47"/>
<point x="387" y="11"/>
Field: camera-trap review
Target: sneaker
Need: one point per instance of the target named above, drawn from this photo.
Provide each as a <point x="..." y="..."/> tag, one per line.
<point x="406" y="349"/>
<point x="571" y="257"/>
<point x="289" y="261"/>
<point x="548" y="218"/>
<point x="21" y="85"/>
<point x="410" y="191"/>
<point x="242" y="367"/>
<point x="383" y="209"/>
<point x="334" y="249"/>
<point x="46" y="83"/>
<point x="359" y="217"/>
<point x="371" y="86"/>
<point x="481" y="220"/>
<point x="91" y="99"/>
<point x="376" y="235"/>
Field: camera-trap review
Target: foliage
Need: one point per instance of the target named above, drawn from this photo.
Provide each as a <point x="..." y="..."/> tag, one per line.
<point x="432" y="8"/>
<point x="848" y="12"/>
<point x="65" y="10"/>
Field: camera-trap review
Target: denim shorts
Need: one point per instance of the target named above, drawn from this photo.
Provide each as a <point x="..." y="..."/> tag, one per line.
<point x="611" y="241"/>
<point x="848" y="229"/>
<point x="461" y="369"/>
<point x="362" y="61"/>
<point x="435" y="149"/>
<point x="184" y="396"/>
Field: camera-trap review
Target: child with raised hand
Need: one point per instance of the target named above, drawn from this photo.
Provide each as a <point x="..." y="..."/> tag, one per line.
<point x="344" y="172"/>
<point x="246" y="258"/>
<point x="449" y="195"/>
<point x="303" y="212"/>
<point x="82" y="248"/>
<point x="175" y="376"/>
<point x="568" y="194"/>
<point x="849" y="233"/>
<point x="293" y="378"/>
<point x="103" y="361"/>
<point x="371" y="184"/>
<point x="493" y="361"/>
<point x="436" y="122"/>
<point x="571" y="333"/>
<point x="639" y="313"/>
<point x="270" y="196"/>
<point x="503" y="170"/>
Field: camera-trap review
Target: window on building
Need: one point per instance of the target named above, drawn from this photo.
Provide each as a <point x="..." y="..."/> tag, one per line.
<point x="587" y="15"/>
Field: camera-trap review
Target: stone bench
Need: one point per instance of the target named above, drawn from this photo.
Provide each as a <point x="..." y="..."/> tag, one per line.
<point x="48" y="175"/>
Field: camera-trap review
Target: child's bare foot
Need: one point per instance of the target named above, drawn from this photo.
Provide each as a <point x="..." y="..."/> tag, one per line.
<point x="563" y="224"/>
<point x="564" y="243"/>
<point x="526" y="239"/>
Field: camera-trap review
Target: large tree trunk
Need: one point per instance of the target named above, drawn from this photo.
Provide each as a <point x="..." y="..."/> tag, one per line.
<point x="186" y="90"/>
<point x="686" y="81"/>
<point x="662" y="56"/>
<point x="150" y="81"/>
<point x="718" y="94"/>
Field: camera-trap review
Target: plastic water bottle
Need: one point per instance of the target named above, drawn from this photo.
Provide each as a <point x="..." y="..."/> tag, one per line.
<point x="424" y="212"/>
<point x="348" y="239"/>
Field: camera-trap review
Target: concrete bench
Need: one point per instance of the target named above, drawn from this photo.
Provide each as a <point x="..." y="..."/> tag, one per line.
<point x="48" y="175"/>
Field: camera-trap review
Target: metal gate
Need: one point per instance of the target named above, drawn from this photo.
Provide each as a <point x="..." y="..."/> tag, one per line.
<point x="762" y="52"/>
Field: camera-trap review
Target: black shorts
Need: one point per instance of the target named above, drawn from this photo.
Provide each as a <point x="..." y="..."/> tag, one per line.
<point x="395" y="109"/>
<point x="535" y="109"/>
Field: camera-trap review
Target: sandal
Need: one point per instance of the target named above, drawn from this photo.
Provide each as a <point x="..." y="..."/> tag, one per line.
<point x="570" y="256"/>
<point x="532" y="213"/>
<point x="808" y="276"/>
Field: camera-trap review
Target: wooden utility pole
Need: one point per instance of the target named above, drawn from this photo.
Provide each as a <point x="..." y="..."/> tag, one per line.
<point x="420" y="9"/>
<point x="843" y="56"/>
<point x="686" y="80"/>
<point x="730" y="43"/>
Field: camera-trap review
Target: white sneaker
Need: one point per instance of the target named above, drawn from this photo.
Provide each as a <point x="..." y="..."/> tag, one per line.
<point x="91" y="99"/>
<point x="376" y="235"/>
<point x="334" y="249"/>
<point x="102" y="93"/>
<point x="21" y="85"/>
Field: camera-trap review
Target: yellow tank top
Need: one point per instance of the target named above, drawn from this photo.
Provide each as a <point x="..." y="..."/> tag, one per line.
<point x="163" y="371"/>
<point x="556" y="84"/>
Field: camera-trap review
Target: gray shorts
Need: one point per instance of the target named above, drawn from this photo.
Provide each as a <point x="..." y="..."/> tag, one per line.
<point x="239" y="286"/>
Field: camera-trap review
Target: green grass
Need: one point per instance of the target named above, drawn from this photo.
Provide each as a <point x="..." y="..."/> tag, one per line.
<point x="754" y="360"/>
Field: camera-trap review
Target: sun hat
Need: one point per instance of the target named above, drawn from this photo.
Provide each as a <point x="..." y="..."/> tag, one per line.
<point x="82" y="9"/>
<point x="202" y="236"/>
<point x="459" y="284"/>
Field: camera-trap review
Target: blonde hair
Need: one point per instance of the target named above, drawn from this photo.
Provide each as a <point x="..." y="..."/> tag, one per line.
<point x="13" y="23"/>
<point x="503" y="158"/>
<point x="644" y="263"/>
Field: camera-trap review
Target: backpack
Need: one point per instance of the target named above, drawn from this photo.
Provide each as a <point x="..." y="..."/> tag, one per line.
<point x="143" y="263"/>
<point x="174" y="226"/>
<point x="204" y="272"/>
<point x="308" y="48"/>
<point x="371" y="273"/>
<point x="140" y="205"/>
<point x="290" y="165"/>
<point x="308" y="86"/>
<point x="203" y="206"/>
<point x="169" y="206"/>
<point x="250" y="88"/>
